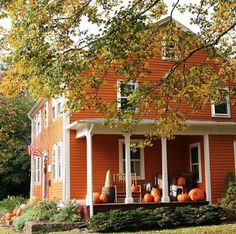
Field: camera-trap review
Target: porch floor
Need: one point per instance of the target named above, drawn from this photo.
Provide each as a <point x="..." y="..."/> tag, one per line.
<point x="84" y="209"/>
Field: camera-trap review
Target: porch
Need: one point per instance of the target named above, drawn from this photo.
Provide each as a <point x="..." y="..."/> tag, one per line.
<point x="102" y="149"/>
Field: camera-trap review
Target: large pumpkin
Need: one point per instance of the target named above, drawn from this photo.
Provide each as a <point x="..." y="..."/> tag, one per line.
<point x="196" y="194"/>
<point x="155" y="192"/>
<point x="134" y="188"/>
<point x="183" y="197"/>
<point x="103" y="198"/>
<point x="9" y="216"/>
<point x="181" y="181"/>
<point x="96" y="198"/>
<point x="157" y="198"/>
<point x="148" y="197"/>
<point x="34" y="199"/>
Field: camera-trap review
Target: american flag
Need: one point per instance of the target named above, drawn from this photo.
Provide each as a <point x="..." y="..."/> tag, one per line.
<point x="33" y="151"/>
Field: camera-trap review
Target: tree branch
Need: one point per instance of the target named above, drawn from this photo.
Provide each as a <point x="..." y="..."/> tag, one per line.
<point x="172" y="11"/>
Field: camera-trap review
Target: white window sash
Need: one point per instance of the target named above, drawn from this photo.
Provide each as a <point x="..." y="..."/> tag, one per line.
<point x="59" y="161"/>
<point x="46" y="114"/>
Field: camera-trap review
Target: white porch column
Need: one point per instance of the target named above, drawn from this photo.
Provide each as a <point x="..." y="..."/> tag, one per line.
<point x="89" y="200"/>
<point x="207" y="167"/>
<point x="165" y="191"/>
<point x="128" y="198"/>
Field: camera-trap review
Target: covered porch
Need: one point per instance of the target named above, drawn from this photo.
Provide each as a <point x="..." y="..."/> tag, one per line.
<point x="169" y="159"/>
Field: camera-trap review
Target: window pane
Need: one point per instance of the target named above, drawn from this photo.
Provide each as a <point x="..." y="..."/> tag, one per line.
<point x="123" y="166"/>
<point x="221" y="108"/>
<point x="194" y="154"/>
<point x="135" y="168"/>
<point x="195" y="170"/>
<point x="135" y="154"/>
<point x="123" y="145"/>
<point x="123" y="103"/>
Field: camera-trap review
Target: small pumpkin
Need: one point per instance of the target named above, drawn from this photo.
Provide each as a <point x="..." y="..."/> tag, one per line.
<point x="19" y="211"/>
<point x="196" y="194"/>
<point x="148" y="197"/>
<point x="157" y="198"/>
<point x="134" y="188"/>
<point x="96" y="198"/>
<point x="181" y="181"/>
<point x="155" y="192"/>
<point x="104" y="198"/>
<point x="9" y="216"/>
<point x="184" y="197"/>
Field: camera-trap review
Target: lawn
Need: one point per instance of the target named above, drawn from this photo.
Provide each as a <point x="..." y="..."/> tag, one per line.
<point x="217" y="229"/>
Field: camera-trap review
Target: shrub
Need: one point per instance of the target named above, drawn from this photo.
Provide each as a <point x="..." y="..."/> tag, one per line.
<point x="229" y="178"/>
<point x="160" y="218"/>
<point x="26" y="216"/>
<point x="11" y="202"/>
<point x="228" y="202"/>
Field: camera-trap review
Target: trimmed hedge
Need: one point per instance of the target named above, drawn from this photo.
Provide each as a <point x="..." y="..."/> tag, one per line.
<point x="160" y="218"/>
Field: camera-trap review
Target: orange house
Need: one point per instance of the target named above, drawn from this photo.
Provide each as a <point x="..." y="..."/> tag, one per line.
<point x="78" y="150"/>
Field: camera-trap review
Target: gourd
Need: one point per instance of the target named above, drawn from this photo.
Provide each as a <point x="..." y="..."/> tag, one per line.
<point x="103" y="198"/>
<point x="181" y="181"/>
<point x="184" y="197"/>
<point x="155" y="192"/>
<point x="157" y="198"/>
<point x="196" y="194"/>
<point x="148" y="197"/>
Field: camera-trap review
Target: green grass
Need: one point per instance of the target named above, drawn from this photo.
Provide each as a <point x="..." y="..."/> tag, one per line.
<point x="217" y="229"/>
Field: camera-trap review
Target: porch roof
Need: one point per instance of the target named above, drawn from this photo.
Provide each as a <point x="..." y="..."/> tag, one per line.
<point x="199" y="127"/>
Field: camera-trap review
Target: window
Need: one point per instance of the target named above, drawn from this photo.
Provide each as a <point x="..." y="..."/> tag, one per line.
<point x="54" y="111"/>
<point x="59" y="160"/>
<point x="37" y="169"/>
<point x="34" y="125"/>
<point x="169" y="51"/>
<point x="124" y="90"/>
<point x="56" y="108"/>
<point x="54" y="172"/>
<point x="223" y="109"/>
<point x="38" y="122"/>
<point x="136" y="159"/>
<point x="46" y="114"/>
<point x="195" y="161"/>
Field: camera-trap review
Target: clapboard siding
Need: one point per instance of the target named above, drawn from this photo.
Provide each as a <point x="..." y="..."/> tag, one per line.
<point x="222" y="161"/>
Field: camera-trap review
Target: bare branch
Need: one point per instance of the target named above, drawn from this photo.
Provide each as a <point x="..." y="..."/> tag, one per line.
<point x="172" y="11"/>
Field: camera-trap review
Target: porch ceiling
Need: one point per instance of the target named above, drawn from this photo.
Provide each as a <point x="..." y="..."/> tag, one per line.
<point x="145" y="126"/>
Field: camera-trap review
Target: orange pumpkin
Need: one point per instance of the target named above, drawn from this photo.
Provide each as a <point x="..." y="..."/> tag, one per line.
<point x="19" y="211"/>
<point x="9" y="216"/>
<point x="155" y="192"/>
<point x="181" y="181"/>
<point x="157" y="198"/>
<point x="148" y="197"/>
<point x="134" y="188"/>
<point x="34" y="199"/>
<point x="96" y="198"/>
<point x="196" y="194"/>
<point x="183" y="197"/>
<point x="103" y="198"/>
<point x="14" y="211"/>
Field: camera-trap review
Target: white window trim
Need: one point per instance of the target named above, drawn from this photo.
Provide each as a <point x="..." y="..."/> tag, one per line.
<point x="199" y="159"/>
<point x="59" y="178"/>
<point x="54" y="148"/>
<point x="38" y="164"/>
<point x="46" y="115"/>
<point x="142" y="166"/>
<point x="228" y="115"/>
<point x="38" y="120"/>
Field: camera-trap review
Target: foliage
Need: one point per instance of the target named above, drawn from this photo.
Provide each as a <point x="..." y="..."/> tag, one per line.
<point x="160" y="218"/>
<point x="229" y="177"/>
<point x="49" y="211"/>
<point x="51" y="52"/>
<point x="11" y="202"/>
<point x="14" y="130"/>
<point x="228" y="202"/>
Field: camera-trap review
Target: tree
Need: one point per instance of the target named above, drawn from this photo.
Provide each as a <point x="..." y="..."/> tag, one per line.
<point x="14" y="131"/>
<point x="52" y="53"/>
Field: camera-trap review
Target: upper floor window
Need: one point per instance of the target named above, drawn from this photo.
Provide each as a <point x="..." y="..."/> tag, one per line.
<point x="46" y="114"/>
<point x="38" y="122"/>
<point x="136" y="159"/>
<point x="223" y="109"/>
<point x="124" y="90"/>
<point x="195" y="162"/>
<point x="56" y="108"/>
<point x="37" y="170"/>
<point x="169" y="51"/>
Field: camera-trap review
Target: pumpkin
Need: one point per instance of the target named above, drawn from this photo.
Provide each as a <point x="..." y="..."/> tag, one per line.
<point x="183" y="197"/>
<point x="19" y="211"/>
<point x="9" y="216"/>
<point x="34" y="199"/>
<point x="134" y="188"/>
<point x="157" y="198"/>
<point x="181" y="181"/>
<point x="96" y="198"/>
<point x="148" y="197"/>
<point x="14" y="211"/>
<point x="103" y="198"/>
<point x="155" y="192"/>
<point x="196" y="194"/>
